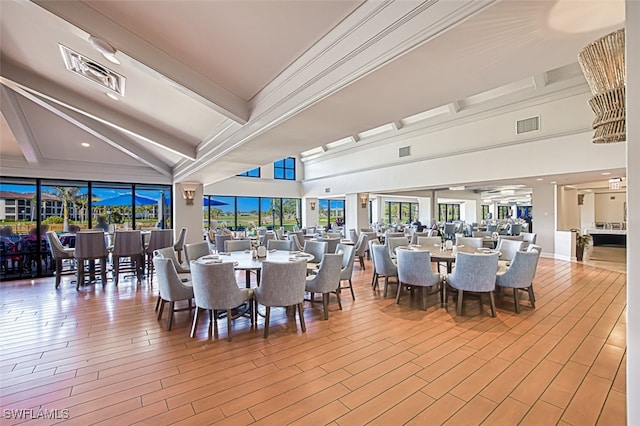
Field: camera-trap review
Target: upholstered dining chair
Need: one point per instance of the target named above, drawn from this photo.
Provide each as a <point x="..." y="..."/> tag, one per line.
<point x="473" y="242"/>
<point x="537" y="249"/>
<point x="282" y="284"/>
<point x="384" y="266"/>
<point x="128" y="245"/>
<point x="414" y="269"/>
<point x="172" y="288"/>
<point x="529" y="237"/>
<point x="317" y="249"/>
<point x="473" y="273"/>
<point x="519" y="276"/>
<point x="515" y="229"/>
<point x="60" y="254"/>
<point x="215" y="289"/>
<point x="371" y="235"/>
<point x="299" y="238"/>
<point x="416" y="235"/>
<point x="280" y="245"/>
<point x="270" y="235"/>
<point x="374" y="275"/>
<point x="430" y="242"/>
<point x="332" y="243"/>
<point x="449" y="230"/>
<point x="327" y="280"/>
<point x="362" y="246"/>
<point x="280" y="234"/>
<point x="492" y="227"/>
<point x="195" y="251"/>
<point x="91" y="246"/>
<point x="295" y="241"/>
<point x="348" y="256"/>
<point x="159" y="238"/>
<point x="394" y="242"/>
<point x="353" y="236"/>
<point x="237" y="245"/>
<point x="182" y="269"/>
<point x="220" y="240"/>
<point x="508" y="249"/>
<point x="179" y="244"/>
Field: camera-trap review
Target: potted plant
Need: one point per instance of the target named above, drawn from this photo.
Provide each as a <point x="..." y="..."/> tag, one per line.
<point x="582" y="241"/>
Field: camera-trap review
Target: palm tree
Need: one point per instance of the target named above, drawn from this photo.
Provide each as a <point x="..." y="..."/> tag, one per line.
<point x="68" y="194"/>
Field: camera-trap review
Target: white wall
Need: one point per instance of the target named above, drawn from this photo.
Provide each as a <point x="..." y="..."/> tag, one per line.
<point x="588" y="211"/>
<point x="189" y="217"/>
<point x="568" y="209"/>
<point x="609" y="206"/>
<point x="544" y="216"/>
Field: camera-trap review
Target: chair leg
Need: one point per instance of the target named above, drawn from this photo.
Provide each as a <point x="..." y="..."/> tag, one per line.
<point x="172" y="307"/>
<point x="195" y="323"/>
<point x="116" y="269"/>
<point x="424" y="298"/>
<point x="58" y="272"/>
<point x="353" y="296"/>
<point x="398" y="293"/>
<point x="80" y="275"/>
<point x="162" y="302"/>
<point x="325" y="305"/>
<point x="459" y="304"/>
<point x="103" y="271"/>
<point x="158" y="302"/>
<point x="301" y="314"/>
<point x="339" y="301"/>
<point x="267" y="313"/>
<point x="253" y="306"/>
<point x="516" y="301"/>
<point x="374" y="281"/>
<point x="386" y="284"/>
<point x="493" y="304"/>
<point x="229" y="324"/>
<point x="213" y="317"/>
<point x="532" y="297"/>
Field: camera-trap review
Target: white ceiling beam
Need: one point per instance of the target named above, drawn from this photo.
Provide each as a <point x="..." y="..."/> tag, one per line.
<point x="454" y="108"/>
<point x="106" y="134"/>
<point x="183" y="78"/>
<point x="16" y="78"/>
<point x="540" y="80"/>
<point x="19" y="125"/>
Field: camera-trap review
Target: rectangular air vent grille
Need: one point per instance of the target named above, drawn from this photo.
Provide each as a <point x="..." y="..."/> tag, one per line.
<point x="327" y="190"/>
<point x="405" y="151"/>
<point x="92" y="70"/>
<point x="528" y="125"/>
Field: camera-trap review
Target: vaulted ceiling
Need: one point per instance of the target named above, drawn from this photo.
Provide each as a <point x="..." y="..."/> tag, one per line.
<point x="214" y="88"/>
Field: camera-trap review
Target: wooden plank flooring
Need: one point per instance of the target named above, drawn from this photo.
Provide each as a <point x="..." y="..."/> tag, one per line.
<point x="101" y="357"/>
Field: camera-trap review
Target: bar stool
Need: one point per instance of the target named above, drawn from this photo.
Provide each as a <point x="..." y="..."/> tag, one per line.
<point x="90" y="246"/>
<point x="128" y="245"/>
<point x="159" y="239"/>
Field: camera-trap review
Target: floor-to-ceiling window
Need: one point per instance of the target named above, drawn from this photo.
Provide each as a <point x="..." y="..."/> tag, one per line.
<point x="448" y="212"/>
<point x="331" y="212"/>
<point x="400" y="212"/>
<point x="236" y="212"/>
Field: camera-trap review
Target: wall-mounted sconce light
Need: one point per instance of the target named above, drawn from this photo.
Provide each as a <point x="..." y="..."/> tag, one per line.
<point x="313" y="205"/>
<point x="189" y="192"/>
<point x="363" y="201"/>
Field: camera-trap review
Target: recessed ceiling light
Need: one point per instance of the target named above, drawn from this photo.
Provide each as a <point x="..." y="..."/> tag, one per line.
<point x="539" y="179"/>
<point x="605" y="173"/>
<point x="112" y="96"/>
<point x="456" y="188"/>
<point x="108" y="51"/>
<point x="553" y="182"/>
<point x="85" y="144"/>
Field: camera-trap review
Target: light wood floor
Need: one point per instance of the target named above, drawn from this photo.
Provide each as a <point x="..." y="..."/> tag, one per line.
<point x="103" y="356"/>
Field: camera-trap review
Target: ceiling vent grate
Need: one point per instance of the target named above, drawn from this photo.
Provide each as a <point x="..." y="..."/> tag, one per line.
<point x="405" y="151"/>
<point x="92" y="70"/>
<point x="528" y="125"/>
<point x="327" y="190"/>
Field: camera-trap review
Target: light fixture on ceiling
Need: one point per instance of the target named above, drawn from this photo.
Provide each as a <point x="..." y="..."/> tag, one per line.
<point x="85" y="144"/>
<point x="605" y="173"/>
<point x="539" y="179"/>
<point x="108" y="51"/>
<point x="456" y="188"/>
<point x="189" y="192"/>
<point x="602" y="64"/>
<point x="553" y="182"/>
<point x="507" y="192"/>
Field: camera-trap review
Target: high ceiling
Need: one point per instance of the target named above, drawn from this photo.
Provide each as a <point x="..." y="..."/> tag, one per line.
<point x="214" y="88"/>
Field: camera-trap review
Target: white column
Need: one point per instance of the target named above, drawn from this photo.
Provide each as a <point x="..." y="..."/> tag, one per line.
<point x="633" y="210"/>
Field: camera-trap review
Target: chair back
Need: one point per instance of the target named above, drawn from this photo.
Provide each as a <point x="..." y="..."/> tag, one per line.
<point x="515" y="229"/>
<point x="127" y="243"/>
<point x="529" y="237"/>
<point x="57" y="249"/>
<point x="481" y="234"/>
<point x="270" y="235"/>
<point x="353" y="236"/>
<point x="492" y="227"/>
<point x="348" y="257"/>
<point x="416" y="235"/>
<point x="299" y="235"/>
<point x="182" y="237"/>
<point x="171" y="287"/>
<point x="328" y="277"/>
<point x="521" y="272"/>
<point x="237" y="245"/>
<point x="537" y="249"/>
<point x="280" y="234"/>
<point x="474" y="272"/>
<point x="449" y="230"/>
<point x="170" y="253"/>
<point x="414" y="268"/>
<point x="215" y="285"/>
<point x="280" y="245"/>
<point x="195" y="251"/>
<point x="430" y="242"/>
<point x="474" y="242"/>
<point x="382" y="261"/>
<point x="393" y="242"/>
<point x="335" y="235"/>
<point x="295" y="241"/>
<point x="362" y="245"/>
<point x="332" y="243"/>
<point x="91" y="245"/>
<point x="388" y="235"/>
<point x="372" y="235"/>
<point x="508" y="248"/>
<point x="160" y="238"/>
<point x="220" y="239"/>
<point x="317" y="249"/>
<point x="282" y="283"/>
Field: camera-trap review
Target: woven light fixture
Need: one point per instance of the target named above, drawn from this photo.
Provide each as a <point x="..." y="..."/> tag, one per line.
<point x="602" y="63"/>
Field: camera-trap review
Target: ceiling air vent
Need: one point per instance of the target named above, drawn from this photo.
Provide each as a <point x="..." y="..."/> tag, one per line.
<point x="528" y="125"/>
<point x="405" y="151"/>
<point x="327" y="190"/>
<point x="92" y="70"/>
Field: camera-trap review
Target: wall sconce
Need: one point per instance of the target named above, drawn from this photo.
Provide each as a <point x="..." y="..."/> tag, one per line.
<point x="189" y="192"/>
<point x="313" y="205"/>
<point x="363" y="201"/>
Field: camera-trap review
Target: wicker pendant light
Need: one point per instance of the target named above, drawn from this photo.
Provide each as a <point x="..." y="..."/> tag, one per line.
<point x="602" y="63"/>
